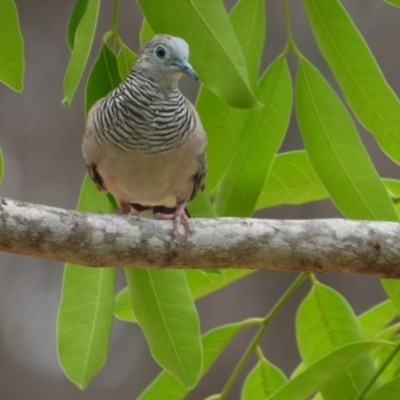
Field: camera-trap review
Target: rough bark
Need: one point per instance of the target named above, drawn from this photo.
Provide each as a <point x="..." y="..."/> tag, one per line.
<point x="100" y="240"/>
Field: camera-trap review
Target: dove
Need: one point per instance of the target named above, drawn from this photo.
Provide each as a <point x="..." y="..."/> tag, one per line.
<point x="144" y="142"/>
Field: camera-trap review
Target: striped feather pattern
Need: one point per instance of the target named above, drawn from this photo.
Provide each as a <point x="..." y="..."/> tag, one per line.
<point x="139" y="115"/>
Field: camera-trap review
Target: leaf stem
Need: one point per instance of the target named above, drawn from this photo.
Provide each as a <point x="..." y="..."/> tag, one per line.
<point x="290" y="41"/>
<point x="378" y="372"/>
<point x="256" y="340"/>
<point x="117" y="6"/>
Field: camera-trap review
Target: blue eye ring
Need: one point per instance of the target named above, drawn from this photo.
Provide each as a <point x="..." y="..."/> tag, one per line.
<point x="160" y="52"/>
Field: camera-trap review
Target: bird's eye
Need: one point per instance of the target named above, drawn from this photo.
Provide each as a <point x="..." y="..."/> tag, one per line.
<point x="161" y="52"/>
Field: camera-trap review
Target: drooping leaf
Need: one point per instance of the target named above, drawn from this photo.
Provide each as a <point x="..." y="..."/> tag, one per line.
<point x="201" y="283"/>
<point x="336" y="151"/>
<point x="201" y="206"/>
<point x="86" y="308"/>
<point x="325" y="321"/>
<point x="323" y="371"/>
<point x="125" y="58"/>
<point x="215" y="51"/>
<point x="388" y="391"/>
<point x="77" y="13"/>
<point x="248" y="20"/>
<point x="82" y="44"/>
<point x="262" y="381"/>
<point x="167" y="387"/>
<point x="291" y="180"/>
<point x="12" y="62"/>
<point x="393" y="2"/>
<point x="359" y="76"/>
<point x="123" y="307"/>
<point x="224" y="124"/>
<point x="262" y="136"/>
<point x="377" y="318"/>
<point x="393" y="187"/>
<point x="165" y="310"/>
<point x="103" y="78"/>
<point x="145" y="31"/>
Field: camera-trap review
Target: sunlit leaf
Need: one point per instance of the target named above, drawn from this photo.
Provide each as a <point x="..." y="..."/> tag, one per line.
<point x="377" y="318"/>
<point x="325" y="321"/>
<point x="264" y="129"/>
<point x="262" y="381"/>
<point x="248" y="20"/>
<point x="165" y="310"/>
<point x="336" y="151"/>
<point x="84" y="34"/>
<point x="125" y="58"/>
<point x="11" y="47"/>
<point x="103" y="78"/>
<point x="291" y="180"/>
<point x="321" y="372"/>
<point x="77" y="13"/>
<point x="86" y="308"/>
<point x="215" y="51"/>
<point x="167" y="387"/>
<point x="145" y="31"/>
<point x="359" y="76"/>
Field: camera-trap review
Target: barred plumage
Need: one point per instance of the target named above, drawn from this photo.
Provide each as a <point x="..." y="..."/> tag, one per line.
<point x="144" y="142"/>
<point x="138" y="114"/>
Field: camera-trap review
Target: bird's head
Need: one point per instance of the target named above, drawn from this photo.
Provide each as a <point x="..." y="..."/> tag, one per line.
<point x="165" y="58"/>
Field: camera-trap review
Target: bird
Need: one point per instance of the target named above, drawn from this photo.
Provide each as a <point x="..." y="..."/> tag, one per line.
<point x="144" y="142"/>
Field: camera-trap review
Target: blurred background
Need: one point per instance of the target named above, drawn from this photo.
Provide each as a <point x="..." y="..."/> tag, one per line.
<point x="41" y="143"/>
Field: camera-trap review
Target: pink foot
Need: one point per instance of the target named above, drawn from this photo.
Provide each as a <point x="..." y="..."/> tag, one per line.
<point x="179" y="217"/>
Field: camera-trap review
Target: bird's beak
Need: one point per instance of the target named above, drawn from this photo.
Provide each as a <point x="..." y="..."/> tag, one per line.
<point x="187" y="69"/>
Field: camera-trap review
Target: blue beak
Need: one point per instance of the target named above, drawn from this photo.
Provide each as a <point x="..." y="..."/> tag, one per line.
<point x="187" y="69"/>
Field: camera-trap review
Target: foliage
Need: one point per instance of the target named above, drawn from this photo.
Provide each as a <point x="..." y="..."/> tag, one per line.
<point x="343" y="355"/>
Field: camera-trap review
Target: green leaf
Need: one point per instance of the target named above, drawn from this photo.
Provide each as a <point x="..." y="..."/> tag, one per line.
<point x="202" y="283"/>
<point x="323" y="371"/>
<point x="224" y="127"/>
<point x="77" y="13"/>
<point x="395" y="3"/>
<point x="362" y="82"/>
<point x="291" y="180"/>
<point x="86" y="308"/>
<point x="201" y="207"/>
<point x="167" y="387"/>
<point x="84" y="35"/>
<point x="215" y="50"/>
<point x="264" y="129"/>
<point x="145" y="32"/>
<point x="336" y="151"/>
<point x="12" y="61"/>
<point x="262" y="381"/>
<point x="123" y="307"/>
<point x="165" y="310"/>
<point x="224" y="124"/>
<point x="125" y="59"/>
<point x="248" y="20"/>
<point x="103" y="78"/>
<point x="393" y="187"/>
<point x="377" y="318"/>
<point x="1" y="166"/>
<point x="325" y="321"/>
<point x="392" y="289"/>
<point x="389" y="391"/>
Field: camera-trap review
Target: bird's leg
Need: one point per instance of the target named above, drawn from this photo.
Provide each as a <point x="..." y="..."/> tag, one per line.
<point x="179" y="217"/>
<point x="126" y="208"/>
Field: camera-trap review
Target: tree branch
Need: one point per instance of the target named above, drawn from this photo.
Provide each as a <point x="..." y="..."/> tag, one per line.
<point x="100" y="240"/>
